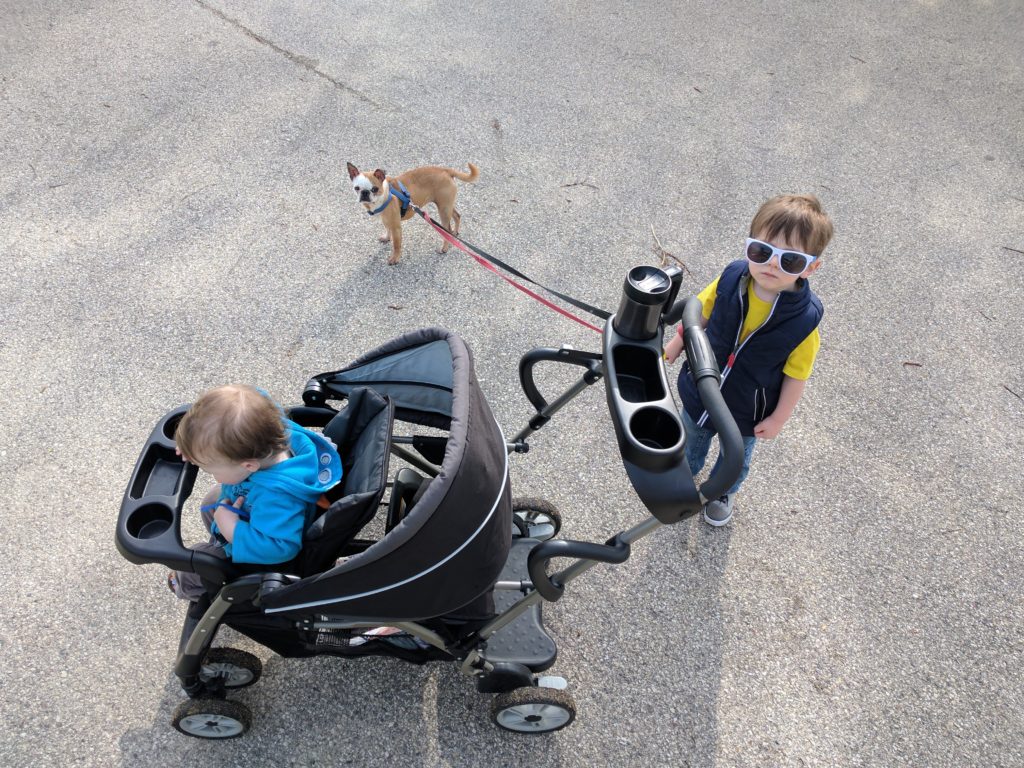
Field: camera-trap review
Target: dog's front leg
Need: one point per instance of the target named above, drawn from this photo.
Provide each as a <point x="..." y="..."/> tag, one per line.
<point x="396" y="244"/>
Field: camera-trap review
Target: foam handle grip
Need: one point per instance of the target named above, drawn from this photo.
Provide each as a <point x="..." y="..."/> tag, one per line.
<point x="699" y="354"/>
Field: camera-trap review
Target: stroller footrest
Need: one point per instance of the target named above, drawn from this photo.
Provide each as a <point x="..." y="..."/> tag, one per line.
<point x="524" y="641"/>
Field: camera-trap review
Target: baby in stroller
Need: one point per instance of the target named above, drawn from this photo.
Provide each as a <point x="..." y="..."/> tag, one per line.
<point x="270" y="474"/>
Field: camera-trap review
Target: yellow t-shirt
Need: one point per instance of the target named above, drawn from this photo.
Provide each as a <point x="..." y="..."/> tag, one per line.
<point x="800" y="362"/>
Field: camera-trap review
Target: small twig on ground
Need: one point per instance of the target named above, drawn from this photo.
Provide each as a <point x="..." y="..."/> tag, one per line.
<point x="396" y="306"/>
<point x="580" y="184"/>
<point x="195" y="191"/>
<point x="1013" y="393"/>
<point x="1013" y="250"/>
<point x="911" y="364"/>
<point x="664" y="255"/>
<point x="857" y="58"/>
<point x="984" y="315"/>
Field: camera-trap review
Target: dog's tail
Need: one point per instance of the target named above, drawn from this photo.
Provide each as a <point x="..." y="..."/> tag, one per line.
<point x="473" y="175"/>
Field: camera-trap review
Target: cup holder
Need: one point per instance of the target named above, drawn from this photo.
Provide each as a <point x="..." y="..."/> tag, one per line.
<point x="655" y="428"/>
<point x="637" y="373"/>
<point x="149" y="521"/>
<point x="172" y="424"/>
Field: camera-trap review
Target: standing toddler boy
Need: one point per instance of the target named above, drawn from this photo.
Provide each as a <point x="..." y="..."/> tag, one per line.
<point x="761" y="318"/>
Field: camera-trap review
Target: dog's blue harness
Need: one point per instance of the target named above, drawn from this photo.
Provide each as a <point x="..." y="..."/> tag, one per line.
<point x="403" y="198"/>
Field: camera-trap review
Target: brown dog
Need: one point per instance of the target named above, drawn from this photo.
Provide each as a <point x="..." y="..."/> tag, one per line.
<point x="382" y="195"/>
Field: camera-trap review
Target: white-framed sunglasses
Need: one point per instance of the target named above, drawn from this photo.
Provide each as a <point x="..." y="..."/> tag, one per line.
<point x="790" y="262"/>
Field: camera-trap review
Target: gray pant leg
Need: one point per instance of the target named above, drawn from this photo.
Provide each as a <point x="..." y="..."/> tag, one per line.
<point x="190" y="586"/>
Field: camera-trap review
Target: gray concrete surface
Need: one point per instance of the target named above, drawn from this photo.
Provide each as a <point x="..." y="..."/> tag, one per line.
<point x="174" y="214"/>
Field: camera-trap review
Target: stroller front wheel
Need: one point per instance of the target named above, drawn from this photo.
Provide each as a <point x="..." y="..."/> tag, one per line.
<point x="535" y="519"/>
<point x="238" y="668"/>
<point x="212" y="718"/>
<point x="533" y="710"/>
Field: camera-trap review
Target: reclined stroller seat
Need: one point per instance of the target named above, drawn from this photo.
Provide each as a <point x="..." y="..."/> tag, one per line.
<point x="362" y="435"/>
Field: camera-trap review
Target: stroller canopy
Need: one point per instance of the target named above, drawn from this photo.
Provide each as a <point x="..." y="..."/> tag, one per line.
<point x="452" y="545"/>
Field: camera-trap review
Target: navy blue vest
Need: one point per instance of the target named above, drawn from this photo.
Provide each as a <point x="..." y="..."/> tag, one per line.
<point x="753" y="381"/>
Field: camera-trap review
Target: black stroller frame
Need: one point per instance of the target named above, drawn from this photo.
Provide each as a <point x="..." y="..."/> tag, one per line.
<point x="462" y="571"/>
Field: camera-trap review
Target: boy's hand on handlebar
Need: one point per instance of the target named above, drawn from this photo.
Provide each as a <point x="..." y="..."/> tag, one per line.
<point x="767" y="429"/>
<point x="674" y="348"/>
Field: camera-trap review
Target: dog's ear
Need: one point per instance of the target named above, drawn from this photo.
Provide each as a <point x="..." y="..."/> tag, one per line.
<point x="352" y="171"/>
<point x="379" y="174"/>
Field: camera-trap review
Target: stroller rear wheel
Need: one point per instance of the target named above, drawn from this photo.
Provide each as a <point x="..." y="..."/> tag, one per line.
<point x="535" y="519"/>
<point x="212" y="718"/>
<point x="533" y="710"/>
<point x="238" y="668"/>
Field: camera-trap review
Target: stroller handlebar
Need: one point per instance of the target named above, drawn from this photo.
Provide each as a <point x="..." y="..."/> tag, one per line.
<point x="589" y="360"/>
<point x="647" y="425"/>
<point x="704" y="369"/>
<point x="614" y="551"/>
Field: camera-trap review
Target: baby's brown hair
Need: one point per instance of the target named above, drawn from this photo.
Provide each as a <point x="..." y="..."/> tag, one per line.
<point x="234" y="422"/>
<point x="798" y="218"/>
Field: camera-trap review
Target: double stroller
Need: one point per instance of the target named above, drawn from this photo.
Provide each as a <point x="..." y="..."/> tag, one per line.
<point x="461" y="571"/>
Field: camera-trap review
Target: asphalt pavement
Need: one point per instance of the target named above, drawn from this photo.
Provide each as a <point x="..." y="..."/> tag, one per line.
<point x="175" y="214"/>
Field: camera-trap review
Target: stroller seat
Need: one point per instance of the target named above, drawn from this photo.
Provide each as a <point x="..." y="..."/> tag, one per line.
<point x="448" y="536"/>
<point x="362" y="434"/>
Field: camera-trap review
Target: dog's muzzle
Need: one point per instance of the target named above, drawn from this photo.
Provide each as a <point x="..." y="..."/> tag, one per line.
<point x="364" y="196"/>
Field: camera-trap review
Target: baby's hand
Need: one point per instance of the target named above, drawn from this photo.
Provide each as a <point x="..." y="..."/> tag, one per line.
<point x="185" y="458"/>
<point x="226" y="519"/>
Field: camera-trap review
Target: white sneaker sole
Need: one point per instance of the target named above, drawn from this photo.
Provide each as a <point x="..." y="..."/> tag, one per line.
<point x="717" y="523"/>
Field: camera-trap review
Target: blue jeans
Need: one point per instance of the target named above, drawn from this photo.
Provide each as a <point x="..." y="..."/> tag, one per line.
<point x="698" y="441"/>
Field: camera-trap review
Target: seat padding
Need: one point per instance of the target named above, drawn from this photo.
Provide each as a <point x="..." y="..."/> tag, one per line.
<point x="362" y="433"/>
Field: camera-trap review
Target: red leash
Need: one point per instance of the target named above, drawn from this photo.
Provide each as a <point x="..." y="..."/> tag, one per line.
<point x="485" y="263"/>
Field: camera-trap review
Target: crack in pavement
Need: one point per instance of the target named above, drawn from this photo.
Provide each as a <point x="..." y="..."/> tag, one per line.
<point x="301" y="61"/>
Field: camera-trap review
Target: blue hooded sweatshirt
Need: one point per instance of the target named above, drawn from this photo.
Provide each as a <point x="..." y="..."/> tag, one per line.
<point x="280" y="500"/>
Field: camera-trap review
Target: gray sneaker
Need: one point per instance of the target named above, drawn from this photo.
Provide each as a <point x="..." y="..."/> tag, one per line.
<point x="719" y="511"/>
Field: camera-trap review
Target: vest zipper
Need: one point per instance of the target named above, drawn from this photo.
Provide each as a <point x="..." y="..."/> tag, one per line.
<point x="737" y="347"/>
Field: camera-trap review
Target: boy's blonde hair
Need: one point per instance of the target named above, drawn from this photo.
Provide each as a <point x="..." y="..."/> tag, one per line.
<point x="799" y="218"/>
<point x="234" y="422"/>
